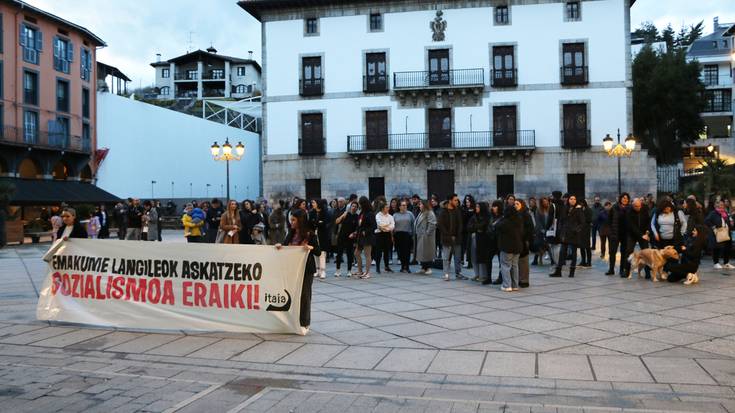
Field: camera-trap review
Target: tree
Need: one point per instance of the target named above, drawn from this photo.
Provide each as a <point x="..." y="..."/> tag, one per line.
<point x="667" y="100"/>
<point x="695" y="32"/>
<point x="668" y="36"/>
<point x="648" y="32"/>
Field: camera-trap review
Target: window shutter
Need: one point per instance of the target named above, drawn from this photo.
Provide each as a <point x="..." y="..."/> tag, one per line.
<point x="23" y="37"/>
<point x="39" y="40"/>
<point x="70" y="51"/>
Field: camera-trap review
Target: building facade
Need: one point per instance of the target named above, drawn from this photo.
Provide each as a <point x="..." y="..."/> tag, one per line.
<point x="716" y="55"/>
<point x="48" y="111"/>
<point x="206" y="74"/>
<point x="484" y="97"/>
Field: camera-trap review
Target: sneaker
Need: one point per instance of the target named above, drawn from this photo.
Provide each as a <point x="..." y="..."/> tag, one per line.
<point x="515" y="289"/>
<point x="365" y="276"/>
<point x="729" y="266"/>
<point x="460" y="276"/>
<point x="337" y="274"/>
<point x="322" y="275"/>
<point x="717" y="266"/>
<point x="507" y="290"/>
<point x="691" y="279"/>
<point x="427" y="271"/>
<point x="446" y="277"/>
<point x="387" y="269"/>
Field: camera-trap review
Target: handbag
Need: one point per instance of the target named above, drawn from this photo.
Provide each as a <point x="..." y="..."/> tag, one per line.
<point x="722" y="234"/>
<point x="220" y="237"/>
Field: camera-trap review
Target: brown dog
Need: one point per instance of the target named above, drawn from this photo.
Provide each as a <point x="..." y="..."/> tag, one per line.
<point x="653" y="258"/>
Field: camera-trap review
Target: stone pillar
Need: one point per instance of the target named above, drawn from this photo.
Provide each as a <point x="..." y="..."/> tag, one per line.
<point x="171" y="80"/>
<point x="227" y="79"/>
<point x="200" y="75"/>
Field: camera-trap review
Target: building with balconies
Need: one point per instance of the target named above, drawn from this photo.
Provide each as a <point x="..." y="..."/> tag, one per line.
<point x="206" y="74"/>
<point x="48" y="110"/>
<point x="404" y="97"/>
<point x="716" y="56"/>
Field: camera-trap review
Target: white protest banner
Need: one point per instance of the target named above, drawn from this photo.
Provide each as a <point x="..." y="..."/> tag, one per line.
<point x="153" y="285"/>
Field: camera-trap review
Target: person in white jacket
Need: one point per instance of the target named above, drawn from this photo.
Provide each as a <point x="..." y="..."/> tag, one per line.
<point x="384" y="236"/>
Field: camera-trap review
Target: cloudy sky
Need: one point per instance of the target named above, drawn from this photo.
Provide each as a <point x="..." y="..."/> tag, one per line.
<point x="135" y="30"/>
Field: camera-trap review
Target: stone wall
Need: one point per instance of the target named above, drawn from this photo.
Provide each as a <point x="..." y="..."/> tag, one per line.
<point x="541" y="172"/>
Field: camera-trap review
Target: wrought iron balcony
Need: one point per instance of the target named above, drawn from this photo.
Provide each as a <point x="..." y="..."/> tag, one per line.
<point x="375" y="83"/>
<point x="311" y="87"/>
<point x="439" y="79"/>
<point x="43" y="139"/>
<point x="214" y="75"/>
<point x="186" y="76"/>
<point x="574" y="75"/>
<point x="575" y="139"/>
<point x="441" y="141"/>
<point x="716" y="80"/>
<point x="311" y="147"/>
<point x="504" y="77"/>
<point x="713" y="106"/>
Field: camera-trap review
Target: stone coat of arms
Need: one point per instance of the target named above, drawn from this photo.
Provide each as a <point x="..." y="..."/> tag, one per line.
<point x="438" y="26"/>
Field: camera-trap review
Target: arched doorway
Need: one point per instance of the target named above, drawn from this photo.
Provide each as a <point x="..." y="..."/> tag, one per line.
<point x="61" y="171"/>
<point x="86" y="174"/>
<point x="30" y="169"/>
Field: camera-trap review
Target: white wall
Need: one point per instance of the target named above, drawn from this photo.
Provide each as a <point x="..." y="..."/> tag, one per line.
<point x="148" y="143"/>
<point x="537" y="31"/>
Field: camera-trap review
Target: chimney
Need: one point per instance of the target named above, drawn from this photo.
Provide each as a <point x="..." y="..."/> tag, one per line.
<point x="158" y="57"/>
<point x="716" y="21"/>
<point x="250" y="54"/>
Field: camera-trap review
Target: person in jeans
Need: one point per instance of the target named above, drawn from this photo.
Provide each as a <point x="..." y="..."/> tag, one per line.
<point x="383" y="237"/>
<point x="510" y="243"/>
<point x="450" y="226"/>
<point x="718" y="218"/>
<point x="667" y="225"/>
<point x="618" y="237"/>
<point x="135" y="220"/>
<point x="403" y="234"/>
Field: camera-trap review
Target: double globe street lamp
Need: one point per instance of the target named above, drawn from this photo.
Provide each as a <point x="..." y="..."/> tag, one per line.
<point x="619" y="151"/>
<point x="224" y="153"/>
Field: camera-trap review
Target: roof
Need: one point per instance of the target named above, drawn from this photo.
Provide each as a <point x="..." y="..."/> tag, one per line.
<point x="256" y="8"/>
<point x="48" y="192"/>
<point x="111" y="70"/>
<point x="203" y="55"/>
<point x="711" y="45"/>
<point x="25" y="6"/>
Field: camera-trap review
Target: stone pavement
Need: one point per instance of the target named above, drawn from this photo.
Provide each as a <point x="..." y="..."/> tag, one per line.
<point x="395" y="343"/>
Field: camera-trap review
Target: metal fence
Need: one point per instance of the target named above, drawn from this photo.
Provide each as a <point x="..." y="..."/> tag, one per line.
<point x="668" y="177"/>
<point x="412" y="142"/>
<point x="446" y="78"/>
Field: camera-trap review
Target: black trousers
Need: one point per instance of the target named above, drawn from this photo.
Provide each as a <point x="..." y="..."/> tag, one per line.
<point x="347" y="248"/>
<point x="614" y="244"/>
<point x="305" y="311"/>
<point x="403" y="245"/>
<point x="194" y="238"/>
<point x="629" y="248"/>
<point x="563" y="255"/>
<point x="603" y="243"/>
<point x="678" y="272"/>
<point x="586" y="253"/>
<point x="722" y="250"/>
<point x="383" y="245"/>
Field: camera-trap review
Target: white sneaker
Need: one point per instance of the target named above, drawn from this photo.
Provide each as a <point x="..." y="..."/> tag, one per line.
<point x="428" y="271"/>
<point x="717" y="266"/>
<point x="322" y="275"/>
<point x="729" y="266"/>
<point x="337" y="274"/>
<point x="691" y="279"/>
<point x="507" y="290"/>
<point x="446" y="277"/>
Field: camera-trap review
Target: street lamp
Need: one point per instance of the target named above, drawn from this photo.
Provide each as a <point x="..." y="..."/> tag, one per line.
<point x="152" y="194"/>
<point x="208" y="185"/>
<point x="226" y="155"/>
<point x="619" y="151"/>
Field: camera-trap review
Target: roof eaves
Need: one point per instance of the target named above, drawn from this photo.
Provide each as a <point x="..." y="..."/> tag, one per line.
<point x="23" y="5"/>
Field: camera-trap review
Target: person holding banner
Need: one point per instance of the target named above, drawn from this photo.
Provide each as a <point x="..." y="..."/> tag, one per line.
<point x="230" y="224"/>
<point x="71" y="228"/>
<point x="300" y="233"/>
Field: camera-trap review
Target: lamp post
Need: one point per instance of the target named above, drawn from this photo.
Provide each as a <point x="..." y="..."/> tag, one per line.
<point x="172" y="190"/>
<point x="191" y="190"/>
<point x="152" y="192"/>
<point x="226" y="155"/>
<point x="208" y="185"/>
<point x="619" y="151"/>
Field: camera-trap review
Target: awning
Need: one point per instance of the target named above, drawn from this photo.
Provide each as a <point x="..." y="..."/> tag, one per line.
<point x="48" y="192"/>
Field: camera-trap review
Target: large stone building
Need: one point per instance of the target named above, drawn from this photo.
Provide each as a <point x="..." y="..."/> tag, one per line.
<point x="486" y="97"/>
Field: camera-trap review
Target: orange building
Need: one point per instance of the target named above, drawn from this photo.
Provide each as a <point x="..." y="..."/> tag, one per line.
<point x="48" y="108"/>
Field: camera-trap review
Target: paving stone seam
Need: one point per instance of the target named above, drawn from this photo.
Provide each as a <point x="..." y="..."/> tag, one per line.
<point x="28" y="274"/>
<point x="706" y="371"/>
<point x="193" y="398"/>
<point x="592" y="369"/>
<point x="250" y="400"/>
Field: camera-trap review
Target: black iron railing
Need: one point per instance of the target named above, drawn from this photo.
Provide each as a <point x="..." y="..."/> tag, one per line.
<point x="375" y="83"/>
<point x="504" y="77"/>
<point x="575" y="138"/>
<point x="44" y="139"/>
<point x="574" y="75"/>
<point x="311" y="87"/>
<point x="186" y="76"/>
<point x="724" y="105"/>
<point x="422" y="141"/>
<point x="311" y="147"/>
<point x="445" y="78"/>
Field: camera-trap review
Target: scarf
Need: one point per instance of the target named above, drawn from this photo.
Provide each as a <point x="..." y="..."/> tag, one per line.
<point x="722" y="213"/>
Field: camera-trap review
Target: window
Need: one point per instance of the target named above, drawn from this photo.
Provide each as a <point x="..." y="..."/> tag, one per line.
<point x="166" y="90"/>
<point x="576" y="186"/>
<point x="311" y="80"/>
<point x="718" y="100"/>
<point x="31" y="40"/>
<point x="505" y="186"/>
<point x="440" y="128"/>
<point x="165" y="73"/>
<point x="30" y="126"/>
<point x="376" y="22"/>
<point x="575" y="134"/>
<point x="191" y="75"/>
<point x="574" y="69"/>
<point x="502" y="15"/>
<point x="710" y="73"/>
<point x="63" y="54"/>
<point x="376" y="187"/>
<point x="376" y="129"/>
<point x="504" y="71"/>
<point x="312" y="135"/>
<point x="376" y="79"/>
<point x="439" y="67"/>
<point x="59" y="132"/>
<point x="85" y="102"/>
<point x="1" y="33"/>
<point x="30" y="88"/>
<point x="62" y="96"/>
<point x="218" y="74"/>
<point x="313" y="188"/>
<point x="85" y="64"/>
<point x="311" y="26"/>
<point x="241" y="89"/>
<point x="572" y="11"/>
<point x="241" y="71"/>
<point x="86" y="137"/>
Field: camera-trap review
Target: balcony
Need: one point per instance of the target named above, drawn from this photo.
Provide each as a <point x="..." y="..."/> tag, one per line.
<point x="213" y="93"/>
<point x="441" y="142"/>
<point x="186" y="76"/>
<point x="575" y="139"/>
<point x="465" y="85"/>
<point x="214" y="75"/>
<point x="311" y="87"/>
<point x="504" y="77"/>
<point x="716" y="80"/>
<point x="309" y="147"/>
<point x="44" y="140"/>
<point x="574" y="75"/>
<point x="375" y="84"/>
<point x="718" y="106"/>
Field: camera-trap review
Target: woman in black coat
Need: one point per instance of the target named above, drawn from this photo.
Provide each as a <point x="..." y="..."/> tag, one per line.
<point x="366" y="227"/>
<point x="479" y="228"/>
<point x="319" y="220"/>
<point x="496" y="214"/>
<point x="691" y="257"/>
<point x="585" y="236"/>
<point x="249" y="220"/>
<point x="299" y="233"/>
<point x="71" y="228"/>
<point x="572" y="225"/>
